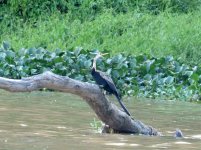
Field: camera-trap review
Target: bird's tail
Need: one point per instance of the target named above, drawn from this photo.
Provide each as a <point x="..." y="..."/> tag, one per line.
<point x="122" y="105"/>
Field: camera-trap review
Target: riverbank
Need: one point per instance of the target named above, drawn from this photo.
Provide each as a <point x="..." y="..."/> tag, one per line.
<point x="134" y="31"/>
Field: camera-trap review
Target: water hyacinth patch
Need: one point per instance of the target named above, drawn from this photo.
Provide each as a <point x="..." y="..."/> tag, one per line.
<point x="141" y="75"/>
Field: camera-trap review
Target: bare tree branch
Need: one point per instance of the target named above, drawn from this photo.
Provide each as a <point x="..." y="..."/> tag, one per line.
<point x="107" y="112"/>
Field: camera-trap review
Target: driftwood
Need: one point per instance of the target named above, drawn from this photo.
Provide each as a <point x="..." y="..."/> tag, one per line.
<point x="107" y="112"/>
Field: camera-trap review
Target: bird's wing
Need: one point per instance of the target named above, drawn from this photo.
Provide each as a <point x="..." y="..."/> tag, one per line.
<point x="106" y="76"/>
<point x="109" y="80"/>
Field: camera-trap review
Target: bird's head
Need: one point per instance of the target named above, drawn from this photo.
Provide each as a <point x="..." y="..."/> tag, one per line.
<point x="98" y="55"/>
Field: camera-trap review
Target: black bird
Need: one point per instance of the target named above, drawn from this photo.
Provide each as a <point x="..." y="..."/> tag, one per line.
<point x="105" y="82"/>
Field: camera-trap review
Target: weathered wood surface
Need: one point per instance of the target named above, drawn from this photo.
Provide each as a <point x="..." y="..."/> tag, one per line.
<point x="107" y="112"/>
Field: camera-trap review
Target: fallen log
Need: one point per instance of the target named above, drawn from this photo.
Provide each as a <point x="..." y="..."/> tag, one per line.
<point x="106" y="111"/>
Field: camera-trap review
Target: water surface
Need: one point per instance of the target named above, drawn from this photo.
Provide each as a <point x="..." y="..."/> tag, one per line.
<point x="52" y="120"/>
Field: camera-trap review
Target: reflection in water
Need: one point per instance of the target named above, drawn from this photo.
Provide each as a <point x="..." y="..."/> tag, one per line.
<point x="197" y="136"/>
<point x="162" y="145"/>
<point x="50" y="120"/>
<point x="122" y="144"/>
<point x="182" y="143"/>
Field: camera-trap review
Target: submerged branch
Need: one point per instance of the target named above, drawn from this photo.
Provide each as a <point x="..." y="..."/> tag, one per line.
<point x="107" y="112"/>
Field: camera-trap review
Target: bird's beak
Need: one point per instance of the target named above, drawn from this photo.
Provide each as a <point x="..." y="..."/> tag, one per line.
<point x="104" y="54"/>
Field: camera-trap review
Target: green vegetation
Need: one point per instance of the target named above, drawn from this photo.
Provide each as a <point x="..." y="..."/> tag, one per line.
<point x="148" y="32"/>
<point x="97" y="125"/>
<point x="141" y="75"/>
<point x="161" y="35"/>
<point x="156" y="27"/>
<point x="88" y="9"/>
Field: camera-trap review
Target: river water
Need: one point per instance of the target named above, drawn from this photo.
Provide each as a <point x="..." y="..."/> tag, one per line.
<point x="60" y="121"/>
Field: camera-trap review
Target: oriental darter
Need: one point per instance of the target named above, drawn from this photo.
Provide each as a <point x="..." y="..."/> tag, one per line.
<point x="106" y="82"/>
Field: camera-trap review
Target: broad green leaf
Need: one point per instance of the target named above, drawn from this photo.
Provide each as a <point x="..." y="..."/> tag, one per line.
<point x="33" y="71"/>
<point x="87" y="64"/>
<point x="148" y="77"/>
<point x="188" y="73"/>
<point x="115" y="74"/>
<point x="169" y="80"/>
<point x="148" y="64"/>
<point x="1" y="72"/>
<point x="79" y="77"/>
<point x="77" y="51"/>
<point x="2" y="56"/>
<point x="109" y="71"/>
<point x="22" y="52"/>
<point x="141" y="58"/>
<point x="191" y="81"/>
<point x="132" y="63"/>
<point x="19" y="68"/>
<point x="109" y="61"/>
<point x="6" y="72"/>
<point x="195" y="77"/>
<point x="169" y="58"/>
<point x="53" y="55"/>
<point x="10" y="56"/>
<point x="178" y="69"/>
<point x="6" y="45"/>
<point x="184" y="67"/>
<point x="31" y="51"/>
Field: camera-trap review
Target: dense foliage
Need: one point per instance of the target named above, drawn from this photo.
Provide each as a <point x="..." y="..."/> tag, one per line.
<point x="154" y="27"/>
<point x="141" y="75"/>
<point x="88" y="9"/>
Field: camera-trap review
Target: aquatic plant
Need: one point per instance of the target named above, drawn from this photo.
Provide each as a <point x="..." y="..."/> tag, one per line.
<point x="142" y="75"/>
<point x="97" y="125"/>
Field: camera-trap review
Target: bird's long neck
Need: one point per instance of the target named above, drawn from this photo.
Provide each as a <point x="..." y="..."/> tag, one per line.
<point x="94" y="64"/>
<point x="94" y="61"/>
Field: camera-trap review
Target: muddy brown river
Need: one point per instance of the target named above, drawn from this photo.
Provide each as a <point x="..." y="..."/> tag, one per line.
<point x="60" y="121"/>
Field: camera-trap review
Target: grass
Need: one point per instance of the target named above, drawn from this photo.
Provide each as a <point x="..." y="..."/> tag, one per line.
<point x="159" y="35"/>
